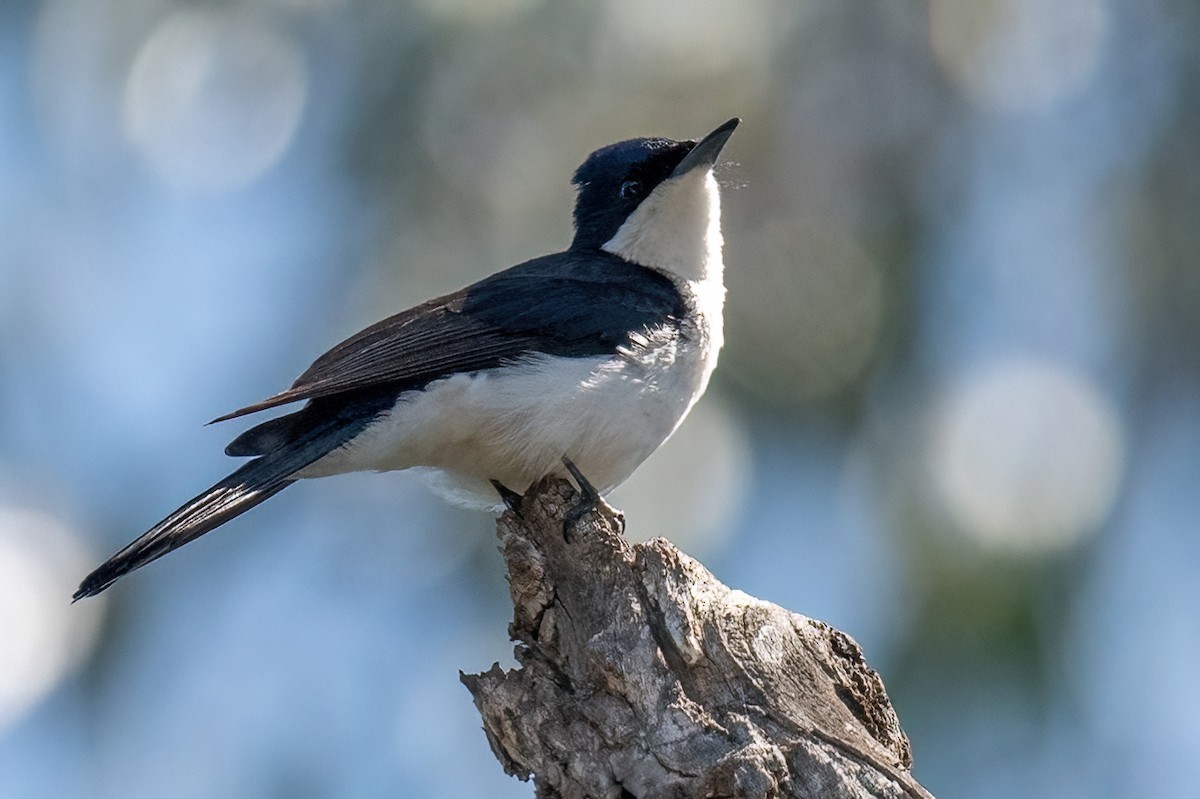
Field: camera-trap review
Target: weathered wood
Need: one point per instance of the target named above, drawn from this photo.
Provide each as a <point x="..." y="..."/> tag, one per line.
<point x="641" y="675"/>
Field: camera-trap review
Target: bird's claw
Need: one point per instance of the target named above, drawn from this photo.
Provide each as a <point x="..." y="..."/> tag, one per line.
<point x="511" y="499"/>
<point x="589" y="501"/>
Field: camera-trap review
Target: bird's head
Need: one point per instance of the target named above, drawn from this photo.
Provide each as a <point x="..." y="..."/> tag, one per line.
<point x="654" y="202"/>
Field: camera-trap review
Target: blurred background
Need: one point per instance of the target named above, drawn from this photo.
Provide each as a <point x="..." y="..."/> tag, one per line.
<point x="957" y="416"/>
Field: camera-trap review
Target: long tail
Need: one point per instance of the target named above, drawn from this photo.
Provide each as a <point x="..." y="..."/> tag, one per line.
<point x="239" y="492"/>
<point x="313" y="434"/>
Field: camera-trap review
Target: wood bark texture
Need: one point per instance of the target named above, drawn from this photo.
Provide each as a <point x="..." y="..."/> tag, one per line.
<point x="641" y="675"/>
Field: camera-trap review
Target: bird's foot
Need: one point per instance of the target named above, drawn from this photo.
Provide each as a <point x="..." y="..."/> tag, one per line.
<point x="511" y="499"/>
<point x="590" y="501"/>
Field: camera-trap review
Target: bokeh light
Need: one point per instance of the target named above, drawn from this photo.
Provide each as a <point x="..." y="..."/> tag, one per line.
<point x="691" y="38"/>
<point x="214" y="98"/>
<point x="44" y="637"/>
<point x="1011" y="55"/>
<point x="1026" y="456"/>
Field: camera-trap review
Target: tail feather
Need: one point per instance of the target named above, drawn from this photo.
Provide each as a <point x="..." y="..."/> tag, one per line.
<point x="286" y="446"/>
<point x="255" y="482"/>
<point x="311" y="434"/>
<point x="265" y="437"/>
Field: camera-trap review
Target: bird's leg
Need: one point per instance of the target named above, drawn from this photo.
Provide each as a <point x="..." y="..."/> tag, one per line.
<point x="512" y="500"/>
<point x="589" y="500"/>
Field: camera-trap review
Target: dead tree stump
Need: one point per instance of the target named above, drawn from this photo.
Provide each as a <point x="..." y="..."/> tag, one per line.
<point x="641" y="675"/>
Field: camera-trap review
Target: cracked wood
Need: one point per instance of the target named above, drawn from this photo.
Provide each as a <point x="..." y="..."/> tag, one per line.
<point x="641" y="675"/>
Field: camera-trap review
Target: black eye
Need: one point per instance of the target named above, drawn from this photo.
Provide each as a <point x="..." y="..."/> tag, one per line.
<point x="631" y="189"/>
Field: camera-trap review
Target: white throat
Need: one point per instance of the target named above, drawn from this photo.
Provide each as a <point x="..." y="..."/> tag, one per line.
<point x="677" y="229"/>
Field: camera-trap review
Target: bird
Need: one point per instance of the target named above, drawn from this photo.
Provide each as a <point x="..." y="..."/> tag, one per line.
<point x="585" y="360"/>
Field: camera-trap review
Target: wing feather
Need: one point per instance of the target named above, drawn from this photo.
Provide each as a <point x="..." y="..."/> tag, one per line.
<point x="565" y="304"/>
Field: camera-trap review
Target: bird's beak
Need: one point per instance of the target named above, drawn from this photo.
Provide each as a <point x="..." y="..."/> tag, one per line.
<point x="705" y="153"/>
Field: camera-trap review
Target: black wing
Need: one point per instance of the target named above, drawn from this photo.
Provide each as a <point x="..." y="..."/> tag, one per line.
<point x="570" y="304"/>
